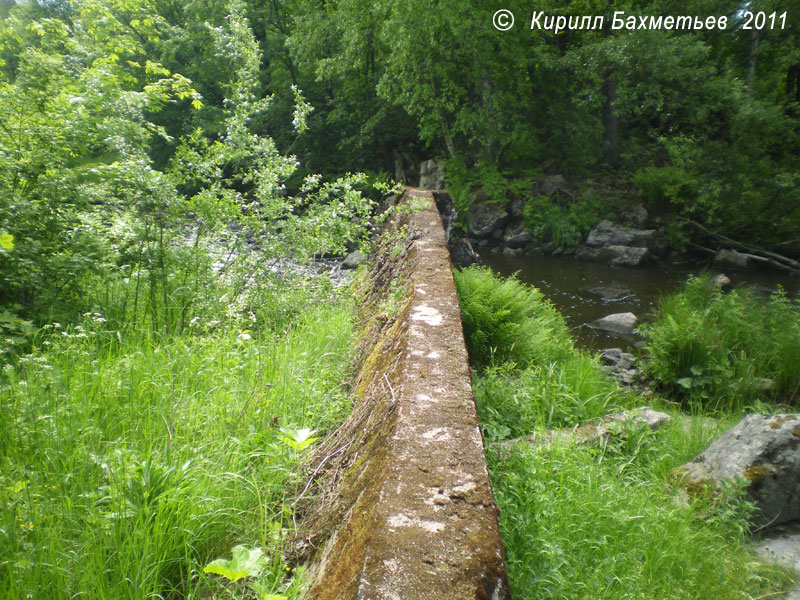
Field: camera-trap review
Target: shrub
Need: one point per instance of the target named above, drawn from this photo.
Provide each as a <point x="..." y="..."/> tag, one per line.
<point x="564" y="225"/>
<point x="720" y="349"/>
<point x="505" y="320"/>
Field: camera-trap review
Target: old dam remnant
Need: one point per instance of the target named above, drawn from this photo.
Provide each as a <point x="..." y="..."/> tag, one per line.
<point x="404" y="508"/>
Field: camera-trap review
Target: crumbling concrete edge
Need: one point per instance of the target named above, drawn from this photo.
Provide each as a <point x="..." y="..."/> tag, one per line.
<point x="403" y="507"/>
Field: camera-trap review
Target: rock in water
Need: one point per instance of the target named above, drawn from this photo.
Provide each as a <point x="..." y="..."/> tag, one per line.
<point x="762" y="450"/>
<point x="622" y="323"/>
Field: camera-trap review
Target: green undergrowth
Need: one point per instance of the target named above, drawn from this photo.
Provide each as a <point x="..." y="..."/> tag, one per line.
<point x="129" y="461"/>
<point x="602" y="520"/>
<point x="725" y="350"/>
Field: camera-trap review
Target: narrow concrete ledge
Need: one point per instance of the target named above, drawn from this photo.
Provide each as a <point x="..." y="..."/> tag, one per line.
<point x="405" y="510"/>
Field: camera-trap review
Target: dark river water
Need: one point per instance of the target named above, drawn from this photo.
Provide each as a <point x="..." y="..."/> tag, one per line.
<point x="565" y="281"/>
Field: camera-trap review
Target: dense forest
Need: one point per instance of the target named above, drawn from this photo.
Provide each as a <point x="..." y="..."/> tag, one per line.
<point x="126" y="119"/>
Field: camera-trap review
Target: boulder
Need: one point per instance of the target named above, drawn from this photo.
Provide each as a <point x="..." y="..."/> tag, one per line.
<point x="721" y="280"/>
<point x="431" y="175"/>
<point x="621" y="323"/>
<point x="620" y="365"/>
<point x="462" y="253"/>
<point x="615" y="357"/>
<point x="354" y="259"/>
<point x="611" y="294"/>
<point x="597" y="433"/>
<point x="606" y="233"/>
<point x="485" y="216"/>
<point x="616" y="256"/>
<point x="516" y="234"/>
<point x="764" y="452"/>
<point x="552" y="184"/>
<point x="731" y="259"/>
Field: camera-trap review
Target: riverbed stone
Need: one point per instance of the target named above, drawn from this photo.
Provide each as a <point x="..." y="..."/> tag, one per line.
<point x="721" y="280"/>
<point x="731" y="259"/>
<point x="431" y="175"/>
<point x="485" y="216"/>
<point x="621" y="323"/>
<point x="611" y="293"/>
<point x="616" y="256"/>
<point x="764" y="452"/>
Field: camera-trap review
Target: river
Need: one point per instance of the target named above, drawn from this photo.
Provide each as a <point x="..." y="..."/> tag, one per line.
<point x="566" y="282"/>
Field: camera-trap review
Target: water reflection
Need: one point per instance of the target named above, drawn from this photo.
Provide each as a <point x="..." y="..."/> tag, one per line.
<point x="569" y="284"/>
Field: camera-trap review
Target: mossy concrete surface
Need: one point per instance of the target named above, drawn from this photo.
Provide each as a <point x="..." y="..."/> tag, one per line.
<point x="405" y="510"/>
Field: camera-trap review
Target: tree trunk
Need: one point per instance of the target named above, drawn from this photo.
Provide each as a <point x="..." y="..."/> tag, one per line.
<point x="611" y="123"/>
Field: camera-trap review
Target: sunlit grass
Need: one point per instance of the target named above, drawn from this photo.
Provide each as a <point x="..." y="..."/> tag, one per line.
<point x="127" y="462"/>
<point x="603" y="520"/>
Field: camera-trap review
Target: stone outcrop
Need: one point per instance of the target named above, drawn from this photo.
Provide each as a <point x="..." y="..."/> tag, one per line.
<point x="431" y="175"/>
<point x="516" y="234"/>
<point x="402" y="502"/>
<point x="462" y="253"/>
<point x="485" y="217"/>
<point x="764" y="452"/>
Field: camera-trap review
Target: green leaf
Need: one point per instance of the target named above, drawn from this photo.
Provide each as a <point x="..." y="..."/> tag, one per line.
<point x="685" y="382"/>
<point x="7" y="241"/>
<point x="246" y="562"/>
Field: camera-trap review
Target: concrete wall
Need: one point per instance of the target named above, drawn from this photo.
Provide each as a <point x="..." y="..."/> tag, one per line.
<point x="403" y="508"/>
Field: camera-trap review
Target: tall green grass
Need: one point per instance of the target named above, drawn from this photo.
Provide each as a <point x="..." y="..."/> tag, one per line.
<point x="598" y="524"/>
<point x="507" y="321"/>
<point x="602" y="521"/>
<point x="717" y="349"/>
<point x="129" y="460"/>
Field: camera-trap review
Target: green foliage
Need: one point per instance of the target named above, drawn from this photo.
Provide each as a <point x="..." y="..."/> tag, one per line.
<point x="130" y="459"/>
<point x="246" y="562"/>
<point x="718" y="349"/>
<point x="580" y="523"/>
<point x="507" y="321"/>
<point x="665" y="187"/>
<point x="565" y="224"/>
<point x="567" y="392"/>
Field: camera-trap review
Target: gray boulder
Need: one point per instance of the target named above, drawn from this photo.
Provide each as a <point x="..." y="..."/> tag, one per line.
<point x="731" y="259"/>
<point x="462" y="253"/>
<point x="764" y="452"/>
<point x="354" y="259"/>
<point x="516" y="234"/>
<point x="552" y="184"/>
<point x="431" y="175"/>
<point x="621" y="323"/>
<point x="721" y="280"/>
<point x="606" y="233"/>
<point x="611" y="294"/>
<point x="616" y="256"/>
<point x="484" y="216"/>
